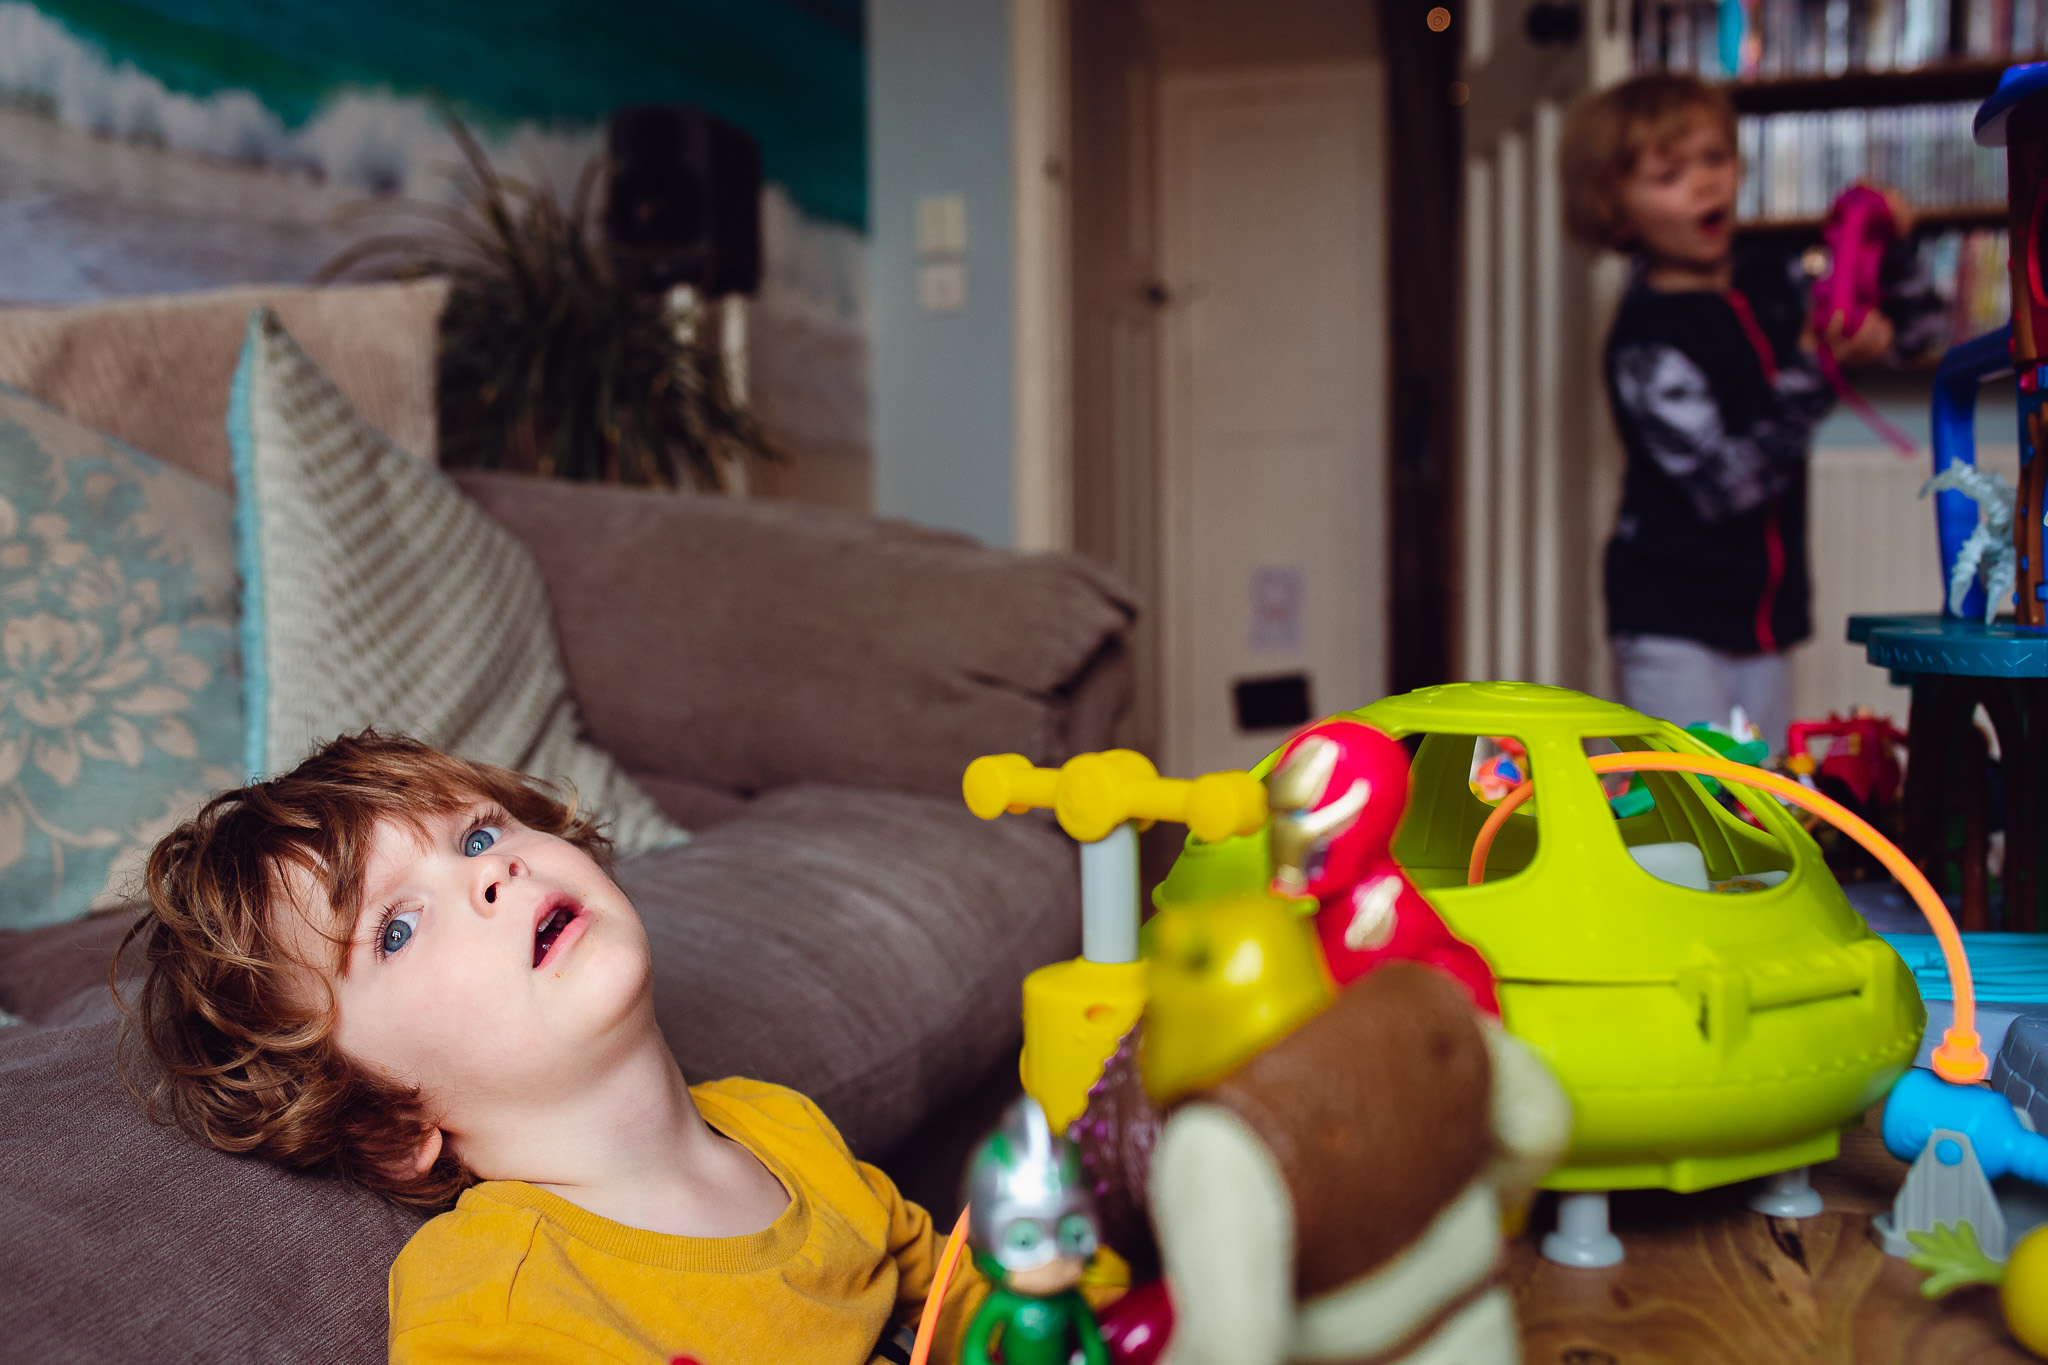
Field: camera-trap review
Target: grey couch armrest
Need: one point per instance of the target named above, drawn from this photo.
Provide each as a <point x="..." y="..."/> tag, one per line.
<point x="755" y="645"/>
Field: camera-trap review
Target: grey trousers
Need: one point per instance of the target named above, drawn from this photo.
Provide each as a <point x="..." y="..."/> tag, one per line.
<point x="1685" y="681"/>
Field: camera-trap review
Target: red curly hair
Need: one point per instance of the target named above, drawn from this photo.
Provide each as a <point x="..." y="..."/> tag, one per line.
<point x="243" y="1062"/>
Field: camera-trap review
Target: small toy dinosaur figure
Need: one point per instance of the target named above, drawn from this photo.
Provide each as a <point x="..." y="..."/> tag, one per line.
<point x="1337" y="1195"/>
<point x="1989" y="552"/>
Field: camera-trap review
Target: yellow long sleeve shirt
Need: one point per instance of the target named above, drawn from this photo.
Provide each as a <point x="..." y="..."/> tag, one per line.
<point x="515" y="1274"/>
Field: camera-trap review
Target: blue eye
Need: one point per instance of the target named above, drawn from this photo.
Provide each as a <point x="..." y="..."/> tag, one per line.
<point x="480" y="839"/>
<point x="397" y="932"/>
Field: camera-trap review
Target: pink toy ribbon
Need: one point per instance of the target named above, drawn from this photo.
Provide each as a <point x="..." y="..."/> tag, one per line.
<point x="1861" y="406"/>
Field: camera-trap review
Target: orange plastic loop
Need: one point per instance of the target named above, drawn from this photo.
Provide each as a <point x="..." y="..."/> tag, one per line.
<point x="1960" y="1056"/>
<point x="1483" y="845"/>
<point x="935" y="1297"/>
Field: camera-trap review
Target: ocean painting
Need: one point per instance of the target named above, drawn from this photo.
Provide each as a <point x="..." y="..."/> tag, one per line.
<point x="161" y="146"/>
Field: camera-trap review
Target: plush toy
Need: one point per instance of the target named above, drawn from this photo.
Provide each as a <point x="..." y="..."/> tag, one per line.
<point x="1033" y="1231"/>
<point x="1337" y="795"/>
<point x="1339" y="1195"/>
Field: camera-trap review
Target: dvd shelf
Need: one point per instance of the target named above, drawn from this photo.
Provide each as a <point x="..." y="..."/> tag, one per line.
<point x="1968" y="270"/>
<point x="1794" y="164"/>
<point x="1784" y="38"/>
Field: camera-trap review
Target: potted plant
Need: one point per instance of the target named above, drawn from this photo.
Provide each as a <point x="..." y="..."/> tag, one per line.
<point x="550" y="362"/>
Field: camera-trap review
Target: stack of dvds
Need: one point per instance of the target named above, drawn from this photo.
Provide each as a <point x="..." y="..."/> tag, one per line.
<point x="1794" y="164"/>
<point x="1832" y="37"/>
<point x="1969" y="271"/>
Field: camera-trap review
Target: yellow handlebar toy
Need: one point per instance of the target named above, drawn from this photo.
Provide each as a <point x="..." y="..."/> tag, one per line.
<point x="1091" y="794"/>
<point x="1076" y="1012"/>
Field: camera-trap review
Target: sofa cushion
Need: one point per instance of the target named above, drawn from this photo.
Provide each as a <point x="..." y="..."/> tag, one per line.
<point x="120" y="680"/>
<point x="864" y="947"/>
<point x="155" y="372"/>
<point x="817" y="646"/>
<point x="688" y="802"/>
<point x="42" y="969"/>
<point x="375" y="593"/>
<point x="114" y="1232"/>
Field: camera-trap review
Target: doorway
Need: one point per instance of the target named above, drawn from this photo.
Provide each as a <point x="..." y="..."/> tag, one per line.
<point x="1229" y="193"/>
<point x="1273" y="374"/>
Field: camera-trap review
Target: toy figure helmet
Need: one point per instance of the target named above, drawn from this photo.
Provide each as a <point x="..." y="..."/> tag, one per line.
<point x="1337" y="793"/>
<point x="1029" y="1196"/>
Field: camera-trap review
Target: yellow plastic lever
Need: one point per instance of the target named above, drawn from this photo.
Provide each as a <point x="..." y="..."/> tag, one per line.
<point x="1091" y="794"/>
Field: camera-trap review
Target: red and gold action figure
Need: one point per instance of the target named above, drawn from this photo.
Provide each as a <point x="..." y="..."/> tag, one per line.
<point x="1337" y="795"/>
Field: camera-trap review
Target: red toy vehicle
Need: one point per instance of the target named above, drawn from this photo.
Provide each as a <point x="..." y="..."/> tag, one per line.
<point x="1862" y="755"/>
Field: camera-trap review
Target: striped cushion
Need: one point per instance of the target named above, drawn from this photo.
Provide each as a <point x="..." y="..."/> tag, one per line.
<point x="374" y="593"/>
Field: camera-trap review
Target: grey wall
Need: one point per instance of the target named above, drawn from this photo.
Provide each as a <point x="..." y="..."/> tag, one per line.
<point x="939" y="123"/>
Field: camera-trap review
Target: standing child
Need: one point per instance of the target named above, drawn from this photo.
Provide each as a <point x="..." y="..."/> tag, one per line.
<point x="1714" y="386"/>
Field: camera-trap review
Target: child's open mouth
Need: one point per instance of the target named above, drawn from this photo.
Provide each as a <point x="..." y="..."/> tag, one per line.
<point x="553" y="924"/>
<point x="1714" y="222"/>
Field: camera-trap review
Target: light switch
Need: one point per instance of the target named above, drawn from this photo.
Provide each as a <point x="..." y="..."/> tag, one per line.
<point x="941" y="225"/>
<point x="942" y="287"/>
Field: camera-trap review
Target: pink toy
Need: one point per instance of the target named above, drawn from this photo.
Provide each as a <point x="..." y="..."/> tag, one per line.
<point x="1859" y="228"/>
<point x="1337" y="795"/>
<point x="1136" y="1326"/>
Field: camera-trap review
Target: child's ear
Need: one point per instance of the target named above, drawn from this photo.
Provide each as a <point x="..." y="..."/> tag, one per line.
<point x="429" y="1152"/>
<point x="420" y="1161"/>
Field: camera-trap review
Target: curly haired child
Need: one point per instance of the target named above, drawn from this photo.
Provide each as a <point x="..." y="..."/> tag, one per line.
<point x="1714" y="387"/>
<point x="416" y="972"/>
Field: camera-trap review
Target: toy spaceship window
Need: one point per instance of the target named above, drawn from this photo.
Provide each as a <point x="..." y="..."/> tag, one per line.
<point x="1695" y="833"/>
<point x="1456" y="781"/>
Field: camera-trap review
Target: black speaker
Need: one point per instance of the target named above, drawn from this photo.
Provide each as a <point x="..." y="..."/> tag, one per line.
<point x="683" y="200"/>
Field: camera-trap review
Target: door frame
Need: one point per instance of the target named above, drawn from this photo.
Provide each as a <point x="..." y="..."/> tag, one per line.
<point x="1041" y="317"/>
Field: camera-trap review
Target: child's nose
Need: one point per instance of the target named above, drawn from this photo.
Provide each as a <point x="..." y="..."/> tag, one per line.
<point x="495" y="878"/>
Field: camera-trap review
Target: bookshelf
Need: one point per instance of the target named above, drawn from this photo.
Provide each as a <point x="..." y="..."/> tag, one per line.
<point x="1925" y="220"/>
<point x="1944" y="82"/>
<point x="1837" y="92"/>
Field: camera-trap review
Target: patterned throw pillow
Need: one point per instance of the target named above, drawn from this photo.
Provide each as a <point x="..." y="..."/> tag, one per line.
<point x="375" y="593"/>
<point x="120" y="689"/>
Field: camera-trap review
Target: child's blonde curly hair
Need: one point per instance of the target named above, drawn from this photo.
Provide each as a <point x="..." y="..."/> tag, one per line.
<point x="245" y="1063"/>
<point x="1608" y="132"/>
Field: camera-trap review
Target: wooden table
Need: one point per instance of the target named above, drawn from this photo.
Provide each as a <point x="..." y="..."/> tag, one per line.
<point x="1707" y="1282"/>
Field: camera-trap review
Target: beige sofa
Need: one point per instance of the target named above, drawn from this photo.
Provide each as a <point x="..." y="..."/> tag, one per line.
<point x="800" y="687"/>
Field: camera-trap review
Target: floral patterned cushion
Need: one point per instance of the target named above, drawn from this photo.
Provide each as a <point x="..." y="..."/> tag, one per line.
<point x="120" y="684"/>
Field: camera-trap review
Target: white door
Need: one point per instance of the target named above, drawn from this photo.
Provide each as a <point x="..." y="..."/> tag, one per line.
<point x="1273" y="391"/>
<point x="1540" y="467"/>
